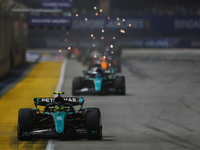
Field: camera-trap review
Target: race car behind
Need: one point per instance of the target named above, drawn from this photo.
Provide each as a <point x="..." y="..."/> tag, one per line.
<point x="99" y="82"/>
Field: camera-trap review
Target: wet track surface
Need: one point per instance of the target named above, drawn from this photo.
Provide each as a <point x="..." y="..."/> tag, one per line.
<point x="160" y="110"/>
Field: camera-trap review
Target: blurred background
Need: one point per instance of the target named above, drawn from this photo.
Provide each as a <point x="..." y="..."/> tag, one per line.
<point x="84" y="24"/>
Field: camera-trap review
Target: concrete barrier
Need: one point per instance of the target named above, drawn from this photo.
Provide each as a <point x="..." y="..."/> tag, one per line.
<point x="13" y="32"/>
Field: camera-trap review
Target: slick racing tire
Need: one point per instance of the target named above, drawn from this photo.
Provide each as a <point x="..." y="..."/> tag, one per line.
<point x="120" y="85"/>
<point x="25" y="123"/>
<point x="76" y="85"/>
<point x="94" y="124"/>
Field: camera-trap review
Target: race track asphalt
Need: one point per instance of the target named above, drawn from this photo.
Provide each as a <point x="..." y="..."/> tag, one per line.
<point x="160" y="110"/>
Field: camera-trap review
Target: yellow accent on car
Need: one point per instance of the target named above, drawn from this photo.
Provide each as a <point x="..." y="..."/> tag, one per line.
<point x="58" y="92"/>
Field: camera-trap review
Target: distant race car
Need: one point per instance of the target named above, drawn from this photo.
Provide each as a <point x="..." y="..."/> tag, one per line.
<point x="111" y="58"/>
<point x="59" y="119"/>
<point x="73" y="53"/>
<point x="110" y="62"/>
<point x="99" y="81"/>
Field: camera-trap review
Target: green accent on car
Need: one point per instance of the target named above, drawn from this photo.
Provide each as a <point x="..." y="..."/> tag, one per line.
<point x="34" y="108"/>
<point x="59" y="118"/>
<point x="58" y="93"/>
<point x="97" y="83"/>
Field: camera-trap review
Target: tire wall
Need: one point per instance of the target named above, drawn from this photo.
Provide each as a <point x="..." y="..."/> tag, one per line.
<point x="13" y="32"/>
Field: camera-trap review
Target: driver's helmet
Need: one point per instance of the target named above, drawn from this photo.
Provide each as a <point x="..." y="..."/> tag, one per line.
<point x="98" y="70"/>
<point x="59" y="108"/>
<point x="59" y="99"/>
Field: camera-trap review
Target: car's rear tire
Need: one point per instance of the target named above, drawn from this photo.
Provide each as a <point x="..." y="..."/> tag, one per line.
<point x="94" y="124"/>
<point x="25" y="123"/>
<point x="76" y="85"/>
<point x="120" y="85"/>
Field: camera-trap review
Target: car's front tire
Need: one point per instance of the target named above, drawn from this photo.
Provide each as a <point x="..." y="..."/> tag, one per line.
<point x="25" y="123"/>
<point x="76" y="85"/>
<point x="94" y="124"/>
<point x="120" y="85"/>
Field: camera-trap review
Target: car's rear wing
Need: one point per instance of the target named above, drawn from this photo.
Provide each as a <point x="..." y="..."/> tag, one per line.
<point x="71" y="100"/>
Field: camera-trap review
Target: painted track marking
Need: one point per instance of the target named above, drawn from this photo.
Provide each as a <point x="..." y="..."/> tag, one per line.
<point x="50" y="143"/>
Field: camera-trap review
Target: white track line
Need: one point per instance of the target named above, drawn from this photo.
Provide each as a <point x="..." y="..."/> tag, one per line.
<point x="50" y="143"/>
<point x="62" y="76"/>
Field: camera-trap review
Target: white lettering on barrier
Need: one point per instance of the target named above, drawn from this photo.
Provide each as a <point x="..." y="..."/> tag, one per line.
<point x="56" y="4"/>
<point x="135" y="24"/>
<point x="41" y="20"/>
<point x="186" y="24"/>
<point x="62" y="21"/>
<point x="112" y="24"/>
<point x="91" y="24"/>
<point x="59" y="20"/>
<point x="157" y="43"/>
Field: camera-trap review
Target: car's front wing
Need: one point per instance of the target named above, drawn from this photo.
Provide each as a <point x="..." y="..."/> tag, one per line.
<point x="92" y="91"/>
<point x="50" y="133"/>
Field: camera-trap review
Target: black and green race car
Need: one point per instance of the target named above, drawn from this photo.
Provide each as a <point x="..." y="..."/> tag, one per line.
<point x="99" y="82"/>
<point x="59" y="119"/>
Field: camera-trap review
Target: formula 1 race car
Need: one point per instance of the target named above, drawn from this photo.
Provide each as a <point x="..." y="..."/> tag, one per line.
<point x="98" y="81"/>
<point x="59" y="119"/>
<point x="106" y="63"/>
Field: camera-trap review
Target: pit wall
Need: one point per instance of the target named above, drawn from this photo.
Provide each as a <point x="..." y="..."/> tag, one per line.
<point x="13" y="43"/>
